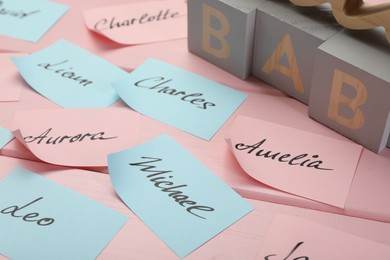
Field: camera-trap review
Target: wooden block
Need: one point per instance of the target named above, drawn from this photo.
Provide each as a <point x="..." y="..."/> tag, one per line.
<point x="351" y="87"/>
<point x="286" y="39"/>
<point x="356" y="14"/>
<point x="221" y="31"/>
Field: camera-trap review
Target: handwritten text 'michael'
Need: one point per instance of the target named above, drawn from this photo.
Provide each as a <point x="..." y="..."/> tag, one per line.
<point x="163" y="180"/>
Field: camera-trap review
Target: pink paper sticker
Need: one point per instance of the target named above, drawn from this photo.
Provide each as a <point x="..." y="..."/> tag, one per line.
<point x="295" y="161"/>
<point x="11" y="82"/>
<point x="77" y="137"/>
<point x="141" y="22"/>
<point x="292" y="238"/>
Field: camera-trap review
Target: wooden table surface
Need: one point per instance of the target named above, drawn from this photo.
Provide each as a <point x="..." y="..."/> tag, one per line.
<point x="368" y="198"/>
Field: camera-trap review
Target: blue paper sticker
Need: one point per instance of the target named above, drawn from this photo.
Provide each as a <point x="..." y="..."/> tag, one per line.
<point x="28" y="19"/>
<point x="174" y="194"/>
<point x="40" y="219"/>
<point x="70" y="76"/>
<point x="179" y="98"/>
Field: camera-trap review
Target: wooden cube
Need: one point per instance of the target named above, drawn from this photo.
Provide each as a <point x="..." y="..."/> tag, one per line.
<point x="286" y="40"/>
<point x="222" y="31"/>
<point x="351" y="87"/>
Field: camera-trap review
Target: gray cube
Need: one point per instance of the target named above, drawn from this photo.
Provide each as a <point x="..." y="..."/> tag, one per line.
<point x="222" y="31"/>
<point x="286" y="39"/>
<point x="351" y="87"/>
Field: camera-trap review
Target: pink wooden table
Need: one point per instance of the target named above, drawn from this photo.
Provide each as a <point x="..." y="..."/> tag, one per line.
<point x="242" y="240"/>
<point x="369" y="188"/>
<point x="368" y="198"/>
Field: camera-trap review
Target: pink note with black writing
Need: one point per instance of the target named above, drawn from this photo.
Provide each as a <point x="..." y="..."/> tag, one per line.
<point x="295" y="161"/>
<point x="141" y="22"/>
<point x="77" y="137"/>
<point x="292" y="238"/>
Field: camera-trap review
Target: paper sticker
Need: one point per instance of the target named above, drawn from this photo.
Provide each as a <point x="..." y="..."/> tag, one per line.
<point x="11" y="83"/>
<point x="182" y="201"/>
<point x="70" y="76"/>
<point x="28" y="19"/>
<point x="179" y="98"/>
<point x="299" y="162"/>
<point x="5" y="136"/>
<point x="141" y="22"/>
<point x="77" y="137"/>
<point x="292" y="238"/>
<point x="40" y="219"/>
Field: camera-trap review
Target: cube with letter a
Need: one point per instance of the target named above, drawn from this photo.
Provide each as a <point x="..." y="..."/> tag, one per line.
<point x="286" y="39"/>
<point x="221" y="32"/>
<point x="351" y="87"/>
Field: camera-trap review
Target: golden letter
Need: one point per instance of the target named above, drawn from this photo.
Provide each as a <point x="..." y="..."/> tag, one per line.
<point x="337" y="98"/>
<point x="208" y="32"/>
<point x="285" y="47"/>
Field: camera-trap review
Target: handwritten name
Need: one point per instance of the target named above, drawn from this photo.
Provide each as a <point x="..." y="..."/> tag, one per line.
<point x="282" y="157"/>
<point x="160" y="179"/>
<point x="113" y="23"/>
<point x="29" y="217"/>
<point x="268" y="257"/>
<point x="17" y="14"/>
<point x="65" y="72"/>
<point x="68" y="138"/>
<point x="157" y="83"/>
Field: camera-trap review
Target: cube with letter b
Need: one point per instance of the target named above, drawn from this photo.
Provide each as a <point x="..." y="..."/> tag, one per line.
<point x="222" y="31"/>
<point x="351" y="87"/>
<point x="286" y="39"/>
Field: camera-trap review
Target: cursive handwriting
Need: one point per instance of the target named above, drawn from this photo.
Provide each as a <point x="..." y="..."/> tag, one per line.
<point x="65" y="73"/>
<point x="268" y="257"/>
<point x="29" y="217"/>
<point x="157" y="83"/>
<point x="68" y="138"/>
<point x="281" y="157"/>
<point x="160" y="179"/>
<point x="17" y="14"/>
<point x="104" y="23"/>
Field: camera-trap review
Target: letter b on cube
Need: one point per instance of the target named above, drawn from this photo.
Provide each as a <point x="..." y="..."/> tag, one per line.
<point x="222" y="33"/>
<point x="351" y="87"/>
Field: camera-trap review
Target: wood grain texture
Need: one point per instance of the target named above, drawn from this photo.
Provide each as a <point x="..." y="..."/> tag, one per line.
<point x="356" y="14"/>
<point x="285" y="44"/>
<point x="350" y="87"/>
<point x="221" y="32"/>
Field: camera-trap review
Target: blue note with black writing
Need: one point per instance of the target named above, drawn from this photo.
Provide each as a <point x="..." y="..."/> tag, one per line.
<point x="179" y="98"/>
<point x="174" y="194"/>
<point x="5" y="136"/>
<point x="40" y="219"/>
<point x="29" y="19"/>
<point x="70" y="76"/>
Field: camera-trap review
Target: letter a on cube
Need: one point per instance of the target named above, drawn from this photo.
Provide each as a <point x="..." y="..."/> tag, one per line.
<point x="286" y="39"/>
<point x="351" y="87"/>
<point x="222" y="31"/>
